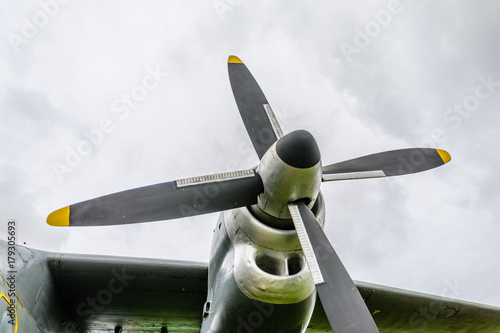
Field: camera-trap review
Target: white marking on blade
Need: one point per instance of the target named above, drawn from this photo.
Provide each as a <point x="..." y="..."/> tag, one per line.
<point x="306" y="244"/>
<point x="353" y="175"/>
<point x="274" y="121"/>
<point x="218" y="177"/>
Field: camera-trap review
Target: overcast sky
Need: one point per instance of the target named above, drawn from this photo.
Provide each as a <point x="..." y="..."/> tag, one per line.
<point x="362" y="77"/>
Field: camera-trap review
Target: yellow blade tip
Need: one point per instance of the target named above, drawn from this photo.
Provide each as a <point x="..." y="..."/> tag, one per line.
<point x="234" y="59"/>
<point x="445" y="156"/>
<point x="59" y="218"/>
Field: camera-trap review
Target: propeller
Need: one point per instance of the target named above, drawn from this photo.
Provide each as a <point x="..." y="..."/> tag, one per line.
<point x="282" y="157"/>
<point x="258" y="117"/>
<point x="344" y="307"/>
<point x="389" y="163"/>
<point x="165" y="201"/>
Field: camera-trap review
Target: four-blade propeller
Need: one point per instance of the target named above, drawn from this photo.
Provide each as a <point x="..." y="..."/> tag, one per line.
<point x="341" y="300"/>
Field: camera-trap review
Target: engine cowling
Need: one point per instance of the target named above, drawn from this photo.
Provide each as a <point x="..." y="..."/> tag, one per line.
<point x="290" y="170"/>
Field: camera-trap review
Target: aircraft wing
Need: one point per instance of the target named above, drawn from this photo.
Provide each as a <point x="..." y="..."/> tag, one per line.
<point x="101" y="292"/>
<point x="173" y="293"/>
<point x="91" y="293"/>
<point x="402" y="311"/>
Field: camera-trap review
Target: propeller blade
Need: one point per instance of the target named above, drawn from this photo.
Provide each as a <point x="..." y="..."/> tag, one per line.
<point x="389" y="163"/>
<point x="170" y="200"/>
<point x="341" y="300"/>
<point x="260" y="121"/>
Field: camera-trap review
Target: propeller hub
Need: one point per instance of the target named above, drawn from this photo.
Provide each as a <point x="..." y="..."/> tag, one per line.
<point x="298" y="149"/>
<point x="290" y="170"/>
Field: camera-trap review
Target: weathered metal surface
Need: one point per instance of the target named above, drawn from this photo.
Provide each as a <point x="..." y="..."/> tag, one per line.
<point x="231" y="308"/>
<point x="401" y="311"/>
<point x="36" y="301"/>
<point x="50" y="288"/>
<point x="101" y="292"/>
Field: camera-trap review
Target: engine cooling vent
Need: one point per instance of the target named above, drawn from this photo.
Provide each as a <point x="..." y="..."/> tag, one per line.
<point x="280" y="267"/>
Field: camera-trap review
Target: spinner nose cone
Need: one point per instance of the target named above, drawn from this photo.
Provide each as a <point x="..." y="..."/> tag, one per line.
<point x="298" y="149"/>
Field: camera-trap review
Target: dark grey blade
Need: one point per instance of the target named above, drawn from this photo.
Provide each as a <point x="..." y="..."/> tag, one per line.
<point x="341" y="300"/>
<point x="176" y="199"/>
<point x="389" y="163"/>
<point x="255" y="111"/>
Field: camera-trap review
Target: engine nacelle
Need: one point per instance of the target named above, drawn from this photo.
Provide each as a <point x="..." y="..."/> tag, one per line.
<point x="258" y="276"/>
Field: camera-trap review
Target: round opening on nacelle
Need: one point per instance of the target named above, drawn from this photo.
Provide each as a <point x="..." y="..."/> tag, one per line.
<point x="294" y="264"/>
<point x="269" y="264"/>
